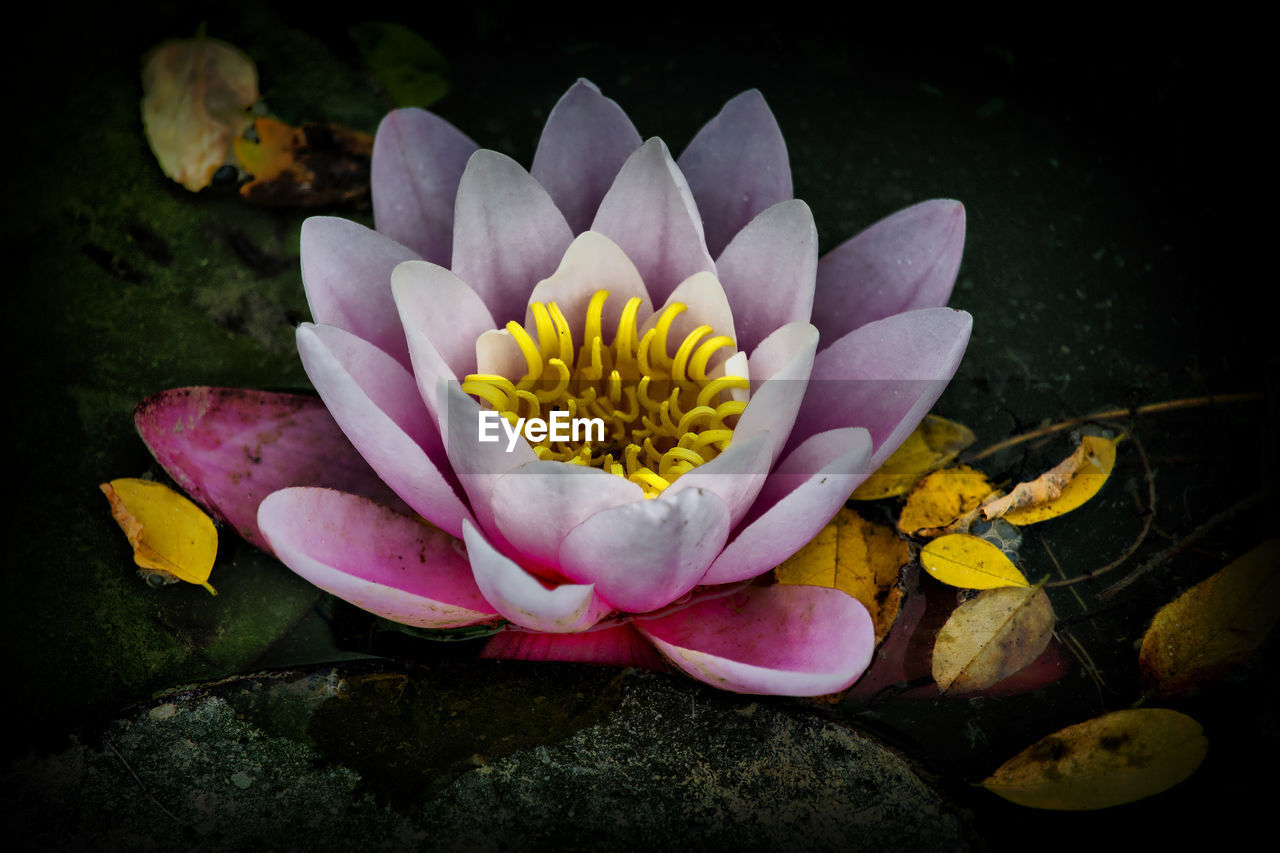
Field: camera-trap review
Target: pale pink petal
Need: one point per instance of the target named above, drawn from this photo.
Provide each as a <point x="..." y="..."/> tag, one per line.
<point x="705" y="305"/>
<point x="736" y="475"/>
<point x="346" y="270"/>
<point x="650" y="213"/>
<point x="586" y="140"/>
<point x="527" y="600"/>
<point x="620" y="646"/>
<point x="737" y="166"/>
<point x="768" y="271"/>
<point x="418" y="159"/>
<point x="592" y="262"/>
<point x="779" y="370"/>
<point x="375" y="401"/>
<point x="498" y="354"/>
<point x="390" y="564"/>
<point x="647" y="554"/>
<point x="439" y="305"/>
<point x="507" y="233"/>
<point x="805" y="491"/>
<point x="884" y="376"/>
<point x="905" y="261"/>
<point x="786" y="640"/>
<point x="229" y="448"/>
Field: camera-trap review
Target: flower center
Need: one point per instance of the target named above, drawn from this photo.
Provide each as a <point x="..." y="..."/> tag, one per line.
<point x="663" y="414"/>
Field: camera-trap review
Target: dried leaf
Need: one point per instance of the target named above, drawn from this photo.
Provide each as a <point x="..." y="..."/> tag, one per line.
<point x="990" y="637"/>
<point x="1110" y="760"/>
<point x="1068" y="485"/>
<point x="170" y="536"/>
<point x="408" y="67"/>
<point x="1213" y="626"/>
<point x="314" y="165"/>
<point x="195" y="96"/>
<point x="934" y="443"/>
<point x="968" y="562"/>
<point x="941" y="498"/>
<point x="857" y="556"/>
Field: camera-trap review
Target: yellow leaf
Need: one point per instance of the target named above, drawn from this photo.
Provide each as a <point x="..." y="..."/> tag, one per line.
<point x="1068" y="485"/>
<point x="942" y="497"/>
<point x="968" y="562"/>
<point x="933" y="444"/>
<point x="857" y="556"/>
<point x="196" y="93"/>
<point x="169" y="534"/>
<point x="1110" y="760"/>
<point x="990" y="637"/>
<point x="1213" y="626"/>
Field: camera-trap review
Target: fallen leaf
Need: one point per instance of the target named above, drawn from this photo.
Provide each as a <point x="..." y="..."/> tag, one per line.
<point x="314" y="165"/>
<point x="857" y="556"/>
<point x="941" y="498"/>
<point x="1212" y="627"/>
<point x="990" y="637"/>
<point x="169" y="534"/>
<point x="409" y="68"/>
<point x="1107" y="761"/>
<point x="196" y="93"/>
<point x="1066" y="486"/>
<point x="965" y="561"/>
<point x="933" y="444"/>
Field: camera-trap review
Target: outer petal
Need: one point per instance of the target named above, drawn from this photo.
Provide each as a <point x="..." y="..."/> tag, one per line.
<point x="736" y="475"/>
<point x="586" y="140"/>
<point x="650" y="213"/>
<point x="384" y="562"/>
<point x="346" y="270"/>
<point x="737" y="167"/>
<point x="507" y="235"/>
<point x="436" y="304"/>
<point x="592" y="262"/>
<point x="526" y="600"/>
<point x="376" y="403"/>
<point x="620" y="646"/>
<point x="645" y="555"/>
<point x="906" y="261"/>
<point x="418" y="159"/>
<point x="787" y="640"/>
<point x="884" y="376"/>
<point x="768" y="271"/>
<point x="779" y="369"/>
<point x="797" y="501"/>
<point x="229" y="448"/>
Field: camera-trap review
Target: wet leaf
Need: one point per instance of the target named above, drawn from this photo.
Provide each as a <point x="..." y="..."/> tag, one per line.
<point x="934" y="443"/>
<point x="1212" y="627"/>
<point x="1113" y="759"/>
<point x="1063" y="488"/>
<point x="170" y="536"/>
<point x="941" y="498"/>
<point x="196" y="93"/>
<point x="309" y="166"/>
<point x="408" y="67"/>
<point x="990" y="637"/>
<point x="968" y="562"/>
<point x="857" y="556"/>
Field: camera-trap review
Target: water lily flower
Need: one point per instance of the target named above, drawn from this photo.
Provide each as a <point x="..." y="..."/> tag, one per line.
<point x="744" y="387"/>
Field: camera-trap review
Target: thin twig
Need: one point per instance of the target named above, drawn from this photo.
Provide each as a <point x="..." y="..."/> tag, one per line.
<point x="1111" y="414"/>
<point x="141" y="784"/>
<point x="1190" y="539"/>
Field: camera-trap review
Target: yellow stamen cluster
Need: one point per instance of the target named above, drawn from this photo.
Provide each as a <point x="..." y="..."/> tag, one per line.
<point x="663" y="415"/>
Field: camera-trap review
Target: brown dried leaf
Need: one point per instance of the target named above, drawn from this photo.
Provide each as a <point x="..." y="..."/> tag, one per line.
<point x="1061" y="489"/>
<point x="990" y="637"/>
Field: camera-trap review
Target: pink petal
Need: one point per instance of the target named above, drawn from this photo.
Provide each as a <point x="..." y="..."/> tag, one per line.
<point x="346" y="270"/>
<point x="884" y="376"/>
<point x="586" y="140"/>
<point x="786" y="640"/>
<point x="229" y="448"/>
<point x="536" y="505"/>
<point x="381" y="561"/>
<point x="798" y="499"/>
<point x="437" y="304"/>
<point x="768" y="271"/>
<point x="737" y="166"/>
<point x="650" y="213"/>
<point x="779" y="370"/>
<point x="376" y="403"/>
<point x="526" y="600"/>
<point x="507" y="234"/>
<point x="646" y="554"/>
<point x="906" y="261"/>
<point x="620" y="646"/>
<point x="592" y="262"/>
<point x="735" y="476"/>
<point x="418" y="159"/>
